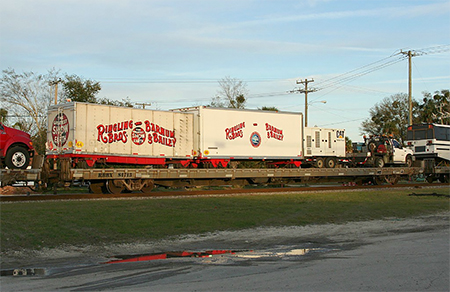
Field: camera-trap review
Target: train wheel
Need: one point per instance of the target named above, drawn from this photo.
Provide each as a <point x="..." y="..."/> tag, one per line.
<point x="320" y="163"/>
<point x="330" y="162"/>
<point x="393" y="179"/>
<point x="149" y="186"/>
<point x="97" y="187"/>
<point x="443" y="178"/>
<point x="113" y="187"/>
<point x="379" y="180"/>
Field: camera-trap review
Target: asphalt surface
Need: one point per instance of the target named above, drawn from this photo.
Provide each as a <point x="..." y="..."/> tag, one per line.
<point x="385" y="255"/>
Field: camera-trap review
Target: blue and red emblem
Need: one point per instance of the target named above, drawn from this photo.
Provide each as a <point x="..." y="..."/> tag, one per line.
<point x="255" y="139"/>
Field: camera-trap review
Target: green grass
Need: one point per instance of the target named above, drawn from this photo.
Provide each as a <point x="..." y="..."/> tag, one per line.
<point x="36" y="225"/>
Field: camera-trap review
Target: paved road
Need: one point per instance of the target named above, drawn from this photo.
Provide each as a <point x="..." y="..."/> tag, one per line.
<point x="411" y="260"/>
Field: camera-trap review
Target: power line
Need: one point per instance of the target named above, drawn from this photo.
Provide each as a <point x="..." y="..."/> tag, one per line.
<point x="378" y="65"/>
<point x="347" y="77"/>
<point x="336" y="81"/>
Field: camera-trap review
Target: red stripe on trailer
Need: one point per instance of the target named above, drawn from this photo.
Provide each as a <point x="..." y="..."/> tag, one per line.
<point x="92" y="158"/>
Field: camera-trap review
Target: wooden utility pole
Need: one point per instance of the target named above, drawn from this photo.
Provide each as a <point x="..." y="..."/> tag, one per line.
<point x="410" y="54"/>
<point x="306" y="91"/>
<point x="56" y="82"/>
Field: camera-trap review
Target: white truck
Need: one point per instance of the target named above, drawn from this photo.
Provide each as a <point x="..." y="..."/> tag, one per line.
<point x="379" y="150"/>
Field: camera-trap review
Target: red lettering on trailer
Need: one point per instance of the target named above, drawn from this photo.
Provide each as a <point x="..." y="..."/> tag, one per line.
<point x="235" y="131"/>
<point x="154" y="133"/>
<point x="274" y="132"/>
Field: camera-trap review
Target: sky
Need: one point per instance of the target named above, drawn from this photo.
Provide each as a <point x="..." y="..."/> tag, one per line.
<point x="172" y="53"/>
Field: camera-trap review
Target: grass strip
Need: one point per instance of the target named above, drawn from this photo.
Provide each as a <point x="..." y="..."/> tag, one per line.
<point x="35" y="225"/>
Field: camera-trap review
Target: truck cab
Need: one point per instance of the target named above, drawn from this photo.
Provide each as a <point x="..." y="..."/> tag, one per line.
<point x="16" y="148"/>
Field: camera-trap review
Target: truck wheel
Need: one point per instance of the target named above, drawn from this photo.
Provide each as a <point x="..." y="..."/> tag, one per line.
<point x="409" y="161"/>
<point x="330" y="162"/>
<point x="379" y="162"/>
<point x="17" y="157"/>
<point x="320" y="163"/>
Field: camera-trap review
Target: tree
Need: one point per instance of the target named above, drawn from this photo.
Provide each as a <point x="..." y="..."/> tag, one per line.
<point x="79" y="89"/>
<point x="27" y="97"/>
<point x="3" y="115"/>
<point x="268" y="108"/>
<point x="231" y="94"/>
<point x="348" y="145"/>
<point x="436" y="108"/>
<point x="126" y="102"/>
<point x="390" y="116"/>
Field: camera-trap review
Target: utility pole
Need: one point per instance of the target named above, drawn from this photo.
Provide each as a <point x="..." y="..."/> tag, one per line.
<point x="410" y="54"/>
<point x="143" y="104"/>
<point x="56" y="82"/>
<point x="305" y="91"/>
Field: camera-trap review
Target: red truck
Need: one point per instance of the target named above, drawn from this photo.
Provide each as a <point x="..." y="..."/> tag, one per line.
<point x="16" y="148"/>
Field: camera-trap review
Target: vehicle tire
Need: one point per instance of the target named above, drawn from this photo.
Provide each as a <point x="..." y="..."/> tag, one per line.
<point x="330" y="162"/>
<point x="379" y="162"/>
<point x="409" y="161"/>
<point x="320" y="162"/>
<point x="17" y="158"/>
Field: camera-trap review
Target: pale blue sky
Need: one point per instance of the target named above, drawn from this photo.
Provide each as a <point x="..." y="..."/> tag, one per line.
<point x="172" y="53"/>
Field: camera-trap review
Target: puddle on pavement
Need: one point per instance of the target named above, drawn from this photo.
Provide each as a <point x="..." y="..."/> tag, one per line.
<point x="216" y="256"/>
<point x="280" y="252"/>
<point x="283" y="252"/>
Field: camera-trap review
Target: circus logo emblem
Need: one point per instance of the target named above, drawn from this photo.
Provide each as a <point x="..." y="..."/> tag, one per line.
<point x="60" y="129"/>
<point x="138" y="136"/>
<point x="255" y="139"/>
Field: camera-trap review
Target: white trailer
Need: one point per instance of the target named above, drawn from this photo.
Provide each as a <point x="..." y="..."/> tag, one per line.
<point x="118" y="134"/>
<point x="223" y="133"/>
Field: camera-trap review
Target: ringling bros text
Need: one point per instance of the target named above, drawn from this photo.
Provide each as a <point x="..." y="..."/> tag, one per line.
<point x="140" y="132"/>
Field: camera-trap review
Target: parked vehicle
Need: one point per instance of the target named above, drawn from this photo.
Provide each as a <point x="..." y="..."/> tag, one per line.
<point x="379" y="150"/>
<point x="16" y="148"/>
<point x="430" y="141"/>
